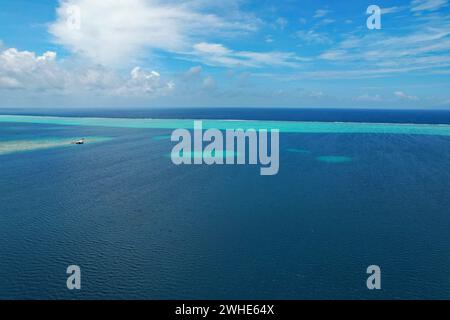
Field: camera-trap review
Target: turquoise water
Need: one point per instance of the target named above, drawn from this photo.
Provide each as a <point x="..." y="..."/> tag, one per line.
<point x="283" y="126"/>
<point x="347" y="196"/>
<point x="12" y="146"/>
<point x="204" y="154"/>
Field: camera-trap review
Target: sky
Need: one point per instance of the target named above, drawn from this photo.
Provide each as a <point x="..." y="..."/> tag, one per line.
<point x="230" y="53"/>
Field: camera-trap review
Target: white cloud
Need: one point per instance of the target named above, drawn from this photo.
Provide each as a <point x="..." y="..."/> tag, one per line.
<point x="211" y="48"/>
<point x="269" y="39"/>
<point x="43" y="73"/>
<point x="312" y="36"/>
<point x="281" y="23"/>
<point x="324" y="22"/>
<point x="143" y="82"/>
<point x="334" y="55"/>
<point x="115" y="32"/>
<point x="403" y="96"/>
<point x="9" y="83"/>
<point x="194" y="71"/>
<point x="424" y="46"/>
<point x="391" y="10"/>
<point x="218" y="55"/>
<point x="209" y="83"/>
<point x="315" y="94"/>
<point x="427" y="5"/>
<point x="369" y="98"/>
<point x="320" y="13"/>
<point x="19" y="68"/>
<point x="355" y="73"/>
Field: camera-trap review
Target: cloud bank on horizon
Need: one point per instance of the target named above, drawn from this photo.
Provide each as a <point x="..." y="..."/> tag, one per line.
<point x="246" y="53"/>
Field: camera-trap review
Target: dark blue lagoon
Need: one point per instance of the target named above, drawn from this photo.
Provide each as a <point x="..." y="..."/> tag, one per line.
<point x="348" y="195"/>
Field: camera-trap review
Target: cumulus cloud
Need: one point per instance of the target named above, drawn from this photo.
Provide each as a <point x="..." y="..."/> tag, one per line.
<point x="43" y="73"/>
<point x="142" y="82"/>
<point x="113" y="32"/>
<point x="19" y="69"/>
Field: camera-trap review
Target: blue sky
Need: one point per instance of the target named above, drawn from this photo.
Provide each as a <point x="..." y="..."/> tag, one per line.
<point x="236" y="53"/>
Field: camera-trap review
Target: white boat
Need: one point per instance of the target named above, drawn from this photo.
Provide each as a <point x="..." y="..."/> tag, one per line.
<point x="81" y="141"/>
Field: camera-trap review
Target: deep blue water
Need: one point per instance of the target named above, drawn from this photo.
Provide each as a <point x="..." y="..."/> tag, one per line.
<point x="140" y="227"/>
<point x="436" y="116"/>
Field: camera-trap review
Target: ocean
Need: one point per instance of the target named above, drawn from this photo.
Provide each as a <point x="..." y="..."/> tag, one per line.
<point x="355" y="188"/>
